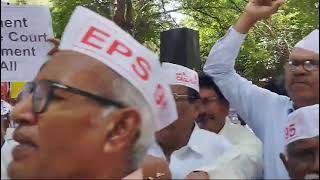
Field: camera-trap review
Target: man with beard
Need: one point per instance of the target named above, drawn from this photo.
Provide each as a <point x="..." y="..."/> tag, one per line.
<point x="266" y="112"/>
<point x="245" y="159"/>
<point x="301" y="157"/>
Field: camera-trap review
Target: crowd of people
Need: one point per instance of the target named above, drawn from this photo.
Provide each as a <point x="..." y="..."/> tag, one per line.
<point x="112" y="111"/>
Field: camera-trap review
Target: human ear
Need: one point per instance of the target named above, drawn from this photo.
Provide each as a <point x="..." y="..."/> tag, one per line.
<point x="122" y="130"/>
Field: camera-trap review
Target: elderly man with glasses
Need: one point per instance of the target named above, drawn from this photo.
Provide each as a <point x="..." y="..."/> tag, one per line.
<point x="89" y="114"/>
<point x="183" y="144"/>
<point x="266" y="112"/>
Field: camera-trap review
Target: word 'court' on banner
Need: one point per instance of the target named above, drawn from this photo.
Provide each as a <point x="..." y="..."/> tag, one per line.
<point x="25" y="31"/>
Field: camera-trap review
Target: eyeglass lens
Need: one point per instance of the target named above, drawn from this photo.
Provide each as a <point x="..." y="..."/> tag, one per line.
<point x="307" y="65"/>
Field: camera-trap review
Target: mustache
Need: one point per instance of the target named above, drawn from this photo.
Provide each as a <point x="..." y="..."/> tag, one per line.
<point x="311" y="176"/>
<point x="205" y="117"/>
<point x="300" y="79"/>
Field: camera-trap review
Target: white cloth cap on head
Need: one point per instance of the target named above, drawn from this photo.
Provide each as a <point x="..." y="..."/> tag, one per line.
<point x="5" y="108"/>
<point x="302" y="124"/>
<point x="180" y="75"/>
<point x="310" y="42"/>
<point x="95" y="36"/>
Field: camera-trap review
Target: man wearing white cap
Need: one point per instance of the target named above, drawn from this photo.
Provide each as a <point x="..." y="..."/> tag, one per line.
<point x="183" y="144"/>
<point x="93" y="107"/>
<point x="266" y="112"/>
<point x="301" y="157"/>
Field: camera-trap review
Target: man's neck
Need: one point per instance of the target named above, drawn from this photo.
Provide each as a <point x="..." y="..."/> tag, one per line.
<point x="300" y="104"/>
<point x="182" y="140"/>
<point x="120" y="168"/>
<point x="218" y="127"/>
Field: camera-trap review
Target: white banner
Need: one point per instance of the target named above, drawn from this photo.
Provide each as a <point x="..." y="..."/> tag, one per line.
<point x="100" y="38"/>
<point x="25" y="31"/>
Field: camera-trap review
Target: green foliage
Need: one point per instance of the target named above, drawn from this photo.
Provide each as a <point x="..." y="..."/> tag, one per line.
<point x="268" y="44"/>
<point x="19" y="2"/>
<point x="149" y="19"/>
<point x="264" y="52"/>
<point x="62" y="10"/>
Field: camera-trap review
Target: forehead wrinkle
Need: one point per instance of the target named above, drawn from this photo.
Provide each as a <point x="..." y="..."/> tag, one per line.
<point x="302" y="54"/>
<point x="207" y="92"/>
<point x="304" y="144"/>
<point x="180" y="89"/>
<point x="80" y="71"/>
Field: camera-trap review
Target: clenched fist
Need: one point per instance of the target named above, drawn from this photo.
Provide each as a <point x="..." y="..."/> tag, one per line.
<point x="262" y="9"/>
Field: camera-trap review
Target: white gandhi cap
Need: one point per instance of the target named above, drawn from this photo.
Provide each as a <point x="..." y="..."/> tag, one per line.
<point x="302" y="124"/>
<point x="180" y="75"/>
<point x="310" y="42"/>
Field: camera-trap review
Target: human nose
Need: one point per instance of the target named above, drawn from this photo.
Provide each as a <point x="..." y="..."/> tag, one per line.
<point x="202" y="108"/>
<point x="300" y="69"/>
<point x="22" y="112"/>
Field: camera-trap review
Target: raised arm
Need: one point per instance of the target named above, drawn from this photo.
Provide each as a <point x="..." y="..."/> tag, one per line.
<point x="242" y="94"/>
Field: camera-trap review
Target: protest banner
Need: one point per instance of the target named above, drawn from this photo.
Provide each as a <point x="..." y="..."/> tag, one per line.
<point x="25" y="31"/>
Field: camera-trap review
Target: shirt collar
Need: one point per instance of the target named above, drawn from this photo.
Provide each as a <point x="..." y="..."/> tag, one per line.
<point x="202" y="141"/>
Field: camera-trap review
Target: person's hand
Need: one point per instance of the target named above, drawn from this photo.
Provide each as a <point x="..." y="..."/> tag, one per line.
<point x="56" y="43"/>
<point x="255" y="11"/>
<point x="155" y="168"/>
<point x="198" y="175"/>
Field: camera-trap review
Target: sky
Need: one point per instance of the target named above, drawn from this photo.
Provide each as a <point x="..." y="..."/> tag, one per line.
<point x="177" y="16"/>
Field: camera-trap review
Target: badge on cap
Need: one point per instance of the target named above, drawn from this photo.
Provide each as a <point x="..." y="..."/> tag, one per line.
<point x="302" y="124"/>
<point x="91" y="34"/>
<point x="180" y="75"/>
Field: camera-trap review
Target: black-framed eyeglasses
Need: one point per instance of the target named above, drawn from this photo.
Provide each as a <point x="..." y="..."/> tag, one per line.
<point x="207" y="100"/>
<point x="179" y="97"/>
<point x="43" y="94"/>
<point x="308" y="65"/>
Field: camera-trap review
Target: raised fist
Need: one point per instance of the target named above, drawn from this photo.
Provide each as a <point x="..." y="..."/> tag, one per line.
<point x="262" y="9"/>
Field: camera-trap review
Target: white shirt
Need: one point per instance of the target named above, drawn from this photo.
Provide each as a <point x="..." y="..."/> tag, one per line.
<point x="137" y="174"/>
<point x="244" y="160"/>
<point x="6" y="152"/>
<point x="265" y="112"/>
<point x="197" y="153"/>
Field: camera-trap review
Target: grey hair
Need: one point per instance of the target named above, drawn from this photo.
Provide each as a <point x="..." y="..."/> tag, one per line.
<point x="127" y="94"/>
